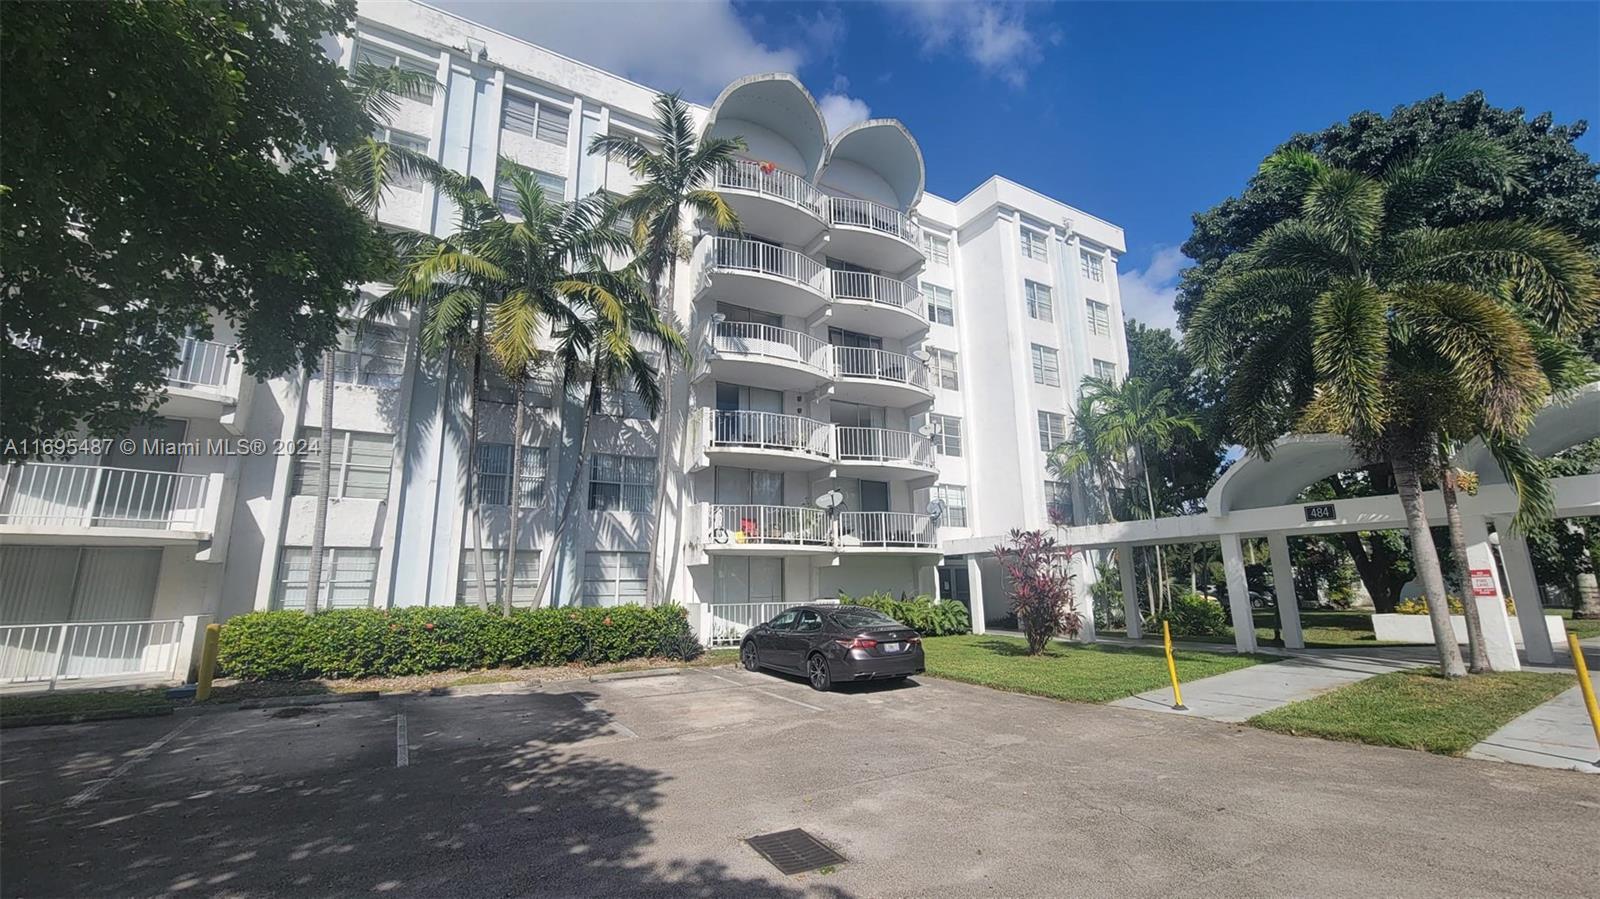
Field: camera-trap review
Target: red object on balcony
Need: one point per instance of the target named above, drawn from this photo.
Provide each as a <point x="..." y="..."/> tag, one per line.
<point x="768" y="168"/>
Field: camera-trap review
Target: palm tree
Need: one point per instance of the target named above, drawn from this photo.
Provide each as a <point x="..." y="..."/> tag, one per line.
<point x="1354" y="317"/>
<point x="1080" y="458"/>
<point x="675" y="177"/>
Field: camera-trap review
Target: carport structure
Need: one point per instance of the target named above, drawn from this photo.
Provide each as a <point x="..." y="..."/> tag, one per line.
<point x="1256" y="498"/>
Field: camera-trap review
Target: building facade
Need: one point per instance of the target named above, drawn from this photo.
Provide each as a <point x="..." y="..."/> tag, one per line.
<point x="908" y="356"/>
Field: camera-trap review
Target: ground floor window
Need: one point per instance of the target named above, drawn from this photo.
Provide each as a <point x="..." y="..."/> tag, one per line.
<point x="348" y="576"/>
<point x="742" y="579"/>
<point x="523" y="587"/>
<point x="613" y="578"/>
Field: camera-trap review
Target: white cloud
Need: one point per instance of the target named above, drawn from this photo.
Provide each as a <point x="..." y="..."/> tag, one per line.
<point x="841" y="111"/>
<point x="1148" y="295"/>
<point x="995" y="36"/>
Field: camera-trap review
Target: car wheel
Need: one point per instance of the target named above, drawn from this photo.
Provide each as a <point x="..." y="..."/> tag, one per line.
<point x="747" y="656"/>
<point x="817" y="673"/>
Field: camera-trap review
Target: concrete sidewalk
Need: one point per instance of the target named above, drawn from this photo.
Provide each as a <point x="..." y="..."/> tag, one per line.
<point x="1554" y="735"/>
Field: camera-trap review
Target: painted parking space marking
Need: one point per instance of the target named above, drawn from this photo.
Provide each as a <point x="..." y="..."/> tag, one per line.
<point x="93" y="790"/>
<point x="402" y="744"/>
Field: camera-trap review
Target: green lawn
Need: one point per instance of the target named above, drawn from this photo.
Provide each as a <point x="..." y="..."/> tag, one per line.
<point x="1322" y="630"/>
<point x="1417" y="709"/>
<point x="80" y="702"/>
<point x="1064" y="671"/>
<point x="1583" y="627"/>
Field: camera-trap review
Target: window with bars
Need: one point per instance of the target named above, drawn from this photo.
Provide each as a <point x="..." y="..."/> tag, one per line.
<point x="622" y="483"/>
<point x="946" y="434"/>
<point x="941" y="304"/>
<point x="1092" y="265"/>
<point x="360" y="464"/>
<point x="405" y="140"/>
<point x="539" y="390"/>
<point x="1041" y="305"/>
<point x="494" y="475"/>
<point x="372" y="355"/>
<point x="536" y="119"/>
<point x="942" y="365"/>
<point x="937" y="248"/>
<point x="505" y="193"/>
<point x="621" y="402"/>
<point x="348" y="576"/>
<point x="954" y="497"/>
<point x="613" y="578"/>
<point x="1106" y="371"/>
<point x="1033" y="245"/>
<point x="1058" y="502"/>
<point x="523" y="587"/>
<point x="371" y="55"/>
<point x="1052" y="430"/>
<point x="1046" y="366"/>
<point x="1099" y="319"/>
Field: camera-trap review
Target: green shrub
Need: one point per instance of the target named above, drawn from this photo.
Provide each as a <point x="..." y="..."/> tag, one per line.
<point x="289" y="645"/>
<point x="921" y="613"/>
<point x="1192" y="615"/>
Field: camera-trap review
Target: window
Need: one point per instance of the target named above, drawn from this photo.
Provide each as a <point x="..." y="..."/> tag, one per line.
<point x="1033" y="245"/>
<point x="1058" y="502"/>
<point x="942" y="364"/>
<point x="505" y="193"/>
<point x="941" y="304"/>
<point x="742" y="579"/>
<point x="954" y="497"/>
<point x="622" y="401"/>
<point x="1092" y="265"/>
<point x="1046" y="366"/>
<point x="946" y="434"/>
<point x="523" y="586"/>
<point x="622" y="483"/>
<point x="611" y="579"/>
<point x="406" y="141"/>
<point x="536" y="119"/>
<point x="1040" y="304"/>
<point x="360" y="464"/>
<point x="371" y="355"/>
<point x="1106" y="371"/>
<point x="494" y="475"/>
<point x="937" y="248"/>
<point x="538" y="391"/>
<point x="1052" y="430"/>
<point x="370" y="55"/>
<point x="347" y="578"/>
<point x="1099" y="319"/>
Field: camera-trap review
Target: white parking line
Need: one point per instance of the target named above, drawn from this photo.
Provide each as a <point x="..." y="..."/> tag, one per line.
<point x="797" y="702"/>
<point x="590" y="707"/>
<point x="402" y="746"/>
<point x="93" y="790"/>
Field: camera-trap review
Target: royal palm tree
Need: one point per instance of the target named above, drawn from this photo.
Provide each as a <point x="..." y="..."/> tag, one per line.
<point x="676" y="175"/>
<point x="1080" y="458"/>
<point x="1352" y="316"/>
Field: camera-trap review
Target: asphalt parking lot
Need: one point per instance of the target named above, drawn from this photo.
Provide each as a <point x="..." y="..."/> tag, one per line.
<point x="650" y="786"/>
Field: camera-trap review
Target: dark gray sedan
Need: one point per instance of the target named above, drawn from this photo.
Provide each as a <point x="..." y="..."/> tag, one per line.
<point x="828" y="643"/>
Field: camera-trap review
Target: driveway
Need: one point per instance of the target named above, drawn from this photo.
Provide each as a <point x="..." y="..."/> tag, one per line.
<point x="649" y="786"/>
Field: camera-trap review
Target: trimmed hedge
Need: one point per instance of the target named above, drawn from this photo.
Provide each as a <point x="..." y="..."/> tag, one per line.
<point x="290" y="645"/>
<point x="928" y="618"/>
<point x="1191" y="615"/>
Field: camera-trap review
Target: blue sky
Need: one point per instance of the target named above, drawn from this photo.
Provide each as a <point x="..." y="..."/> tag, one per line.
<point x="1141" y="113"/>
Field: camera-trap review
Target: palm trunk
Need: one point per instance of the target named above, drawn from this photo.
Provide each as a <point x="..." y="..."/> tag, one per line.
<point x="567" y="502"/>
<point x="1478" y="652"/>
<point x="319" y="526"/>
<point x="664" y="414"/>
<point x="1408" y="481"/>
<point x="1150" y="497"/>
<point x="508" y="580"/>
<point x="473" y="487"/>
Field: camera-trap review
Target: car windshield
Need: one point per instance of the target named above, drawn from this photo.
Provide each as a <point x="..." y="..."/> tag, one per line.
<point x="856" y="617"/>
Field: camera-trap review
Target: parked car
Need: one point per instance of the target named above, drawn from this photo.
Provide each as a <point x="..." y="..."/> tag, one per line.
<point x="829" y="643"/>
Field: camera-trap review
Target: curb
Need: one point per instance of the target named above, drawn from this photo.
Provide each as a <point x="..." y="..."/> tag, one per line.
<point x="630" y="675"/>
<point x="314" y="699"/>
<point x="154" y="711"/>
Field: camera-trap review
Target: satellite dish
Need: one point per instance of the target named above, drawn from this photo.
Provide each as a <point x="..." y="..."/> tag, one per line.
<point x="928" y="429"/>
<point x="921" y="356"/>
<point x="830" y="500"/>
<point x="718" y="318"/>
<point x="935" y="509"/>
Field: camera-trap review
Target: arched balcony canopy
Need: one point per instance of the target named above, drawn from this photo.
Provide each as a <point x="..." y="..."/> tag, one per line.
<point x="1557" y="427"/>
<point x="1297" y="462"/>
<point x="777" y="118"/>
<point x="877" y="160"/>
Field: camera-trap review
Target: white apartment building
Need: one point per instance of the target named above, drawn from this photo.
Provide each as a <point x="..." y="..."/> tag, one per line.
<point x="859" y="335"/>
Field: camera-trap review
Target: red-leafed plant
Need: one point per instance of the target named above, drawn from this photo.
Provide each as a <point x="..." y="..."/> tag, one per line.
<point x="1039" y="580"/>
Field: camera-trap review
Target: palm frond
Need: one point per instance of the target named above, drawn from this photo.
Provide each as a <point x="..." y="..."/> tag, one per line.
<point x="378" y="89"/>
<point x="1414" y="185"/>
<point x="1350" y="336"/>
<point x="1529" y="477"/>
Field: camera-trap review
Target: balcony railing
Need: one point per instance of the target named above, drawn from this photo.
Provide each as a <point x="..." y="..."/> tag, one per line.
<point x="752" y="339"/>
<point x="745" y="429"/>
<point x="730" y="620"/>
<point x="769" y="181"/>
<point x="853" y="213"/>
<point x="869" y="364"/>
<point x="880" y="289"/>
<point x="882" y="445"/>
<point x="735" y="254"/>
<point x="201" y="363"/>
<point x="38" y="653"/>
<point x="733" y="525"/>
<point x="888" y="529"/>
<point x="49" y="493"/>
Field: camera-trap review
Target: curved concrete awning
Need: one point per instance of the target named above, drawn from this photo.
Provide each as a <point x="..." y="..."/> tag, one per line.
<point x="1297" y="462"/>
<point x="779" y="103"/>
<point x="1558" y="427"/>
<point x="885" y="148"/>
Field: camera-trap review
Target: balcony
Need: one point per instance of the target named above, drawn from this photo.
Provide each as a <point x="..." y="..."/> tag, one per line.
<point x="877" y="304"/>
<point x="882" y="454"/>
<point x="763" y="356"/>
<point x="756" y="529"/>
<point x="48" y="502"/>
<point x="780" y="204"/>
<point x="763" y="276"/>
<point x="886" y="532"/>
<point x="771" y="441"/>
<point x="879" y="377"/>
<point x="873" y="235"/>
<point x="208" y="383"/>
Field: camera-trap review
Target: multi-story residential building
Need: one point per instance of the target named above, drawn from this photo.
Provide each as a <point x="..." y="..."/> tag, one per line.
<point x="908" y="356"/>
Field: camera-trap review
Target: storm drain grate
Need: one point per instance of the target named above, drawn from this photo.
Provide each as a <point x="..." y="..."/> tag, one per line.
<point x="793" y="851"/>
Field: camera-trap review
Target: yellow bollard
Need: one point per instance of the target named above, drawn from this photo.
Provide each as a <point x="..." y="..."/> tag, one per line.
<point x="208" y="662"/>
<point x="1586" y="685"/>
<point x="1172" y="669"/>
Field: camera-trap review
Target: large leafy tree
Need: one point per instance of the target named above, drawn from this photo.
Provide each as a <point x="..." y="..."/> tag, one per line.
<point x="1352" y="315"/>
<point x="162" y="163"/>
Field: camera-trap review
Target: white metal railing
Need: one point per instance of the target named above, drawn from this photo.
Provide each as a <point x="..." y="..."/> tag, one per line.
<point x="874" y="216"/>
<point x="885" y="529"/>
<point x="201" y="363"/>
<point x="771" y="430"/>
<point x="874" y="288"/>
<point x="882" y="445"/>
<point x="879" y="365"/>
<point x="736" y="254"/>
<point x="730" y="620"/>
<point x="35" y="653"/>
<point x="733" y="525"/>
<point x="771" y="181"/>
<point x="52" y="493"/>
<point x="752" y="339"/>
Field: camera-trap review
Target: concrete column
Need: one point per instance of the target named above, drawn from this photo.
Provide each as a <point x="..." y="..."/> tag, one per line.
<point x="1497" y="637"/>
<point x="975" y="593"/>
<point x="1525" y="591"/>
<point x="1083" y="595"/>
<point x="1244" y="625"/>
<point x="1130" y="591"/>
<point x="1283" y="586"/>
